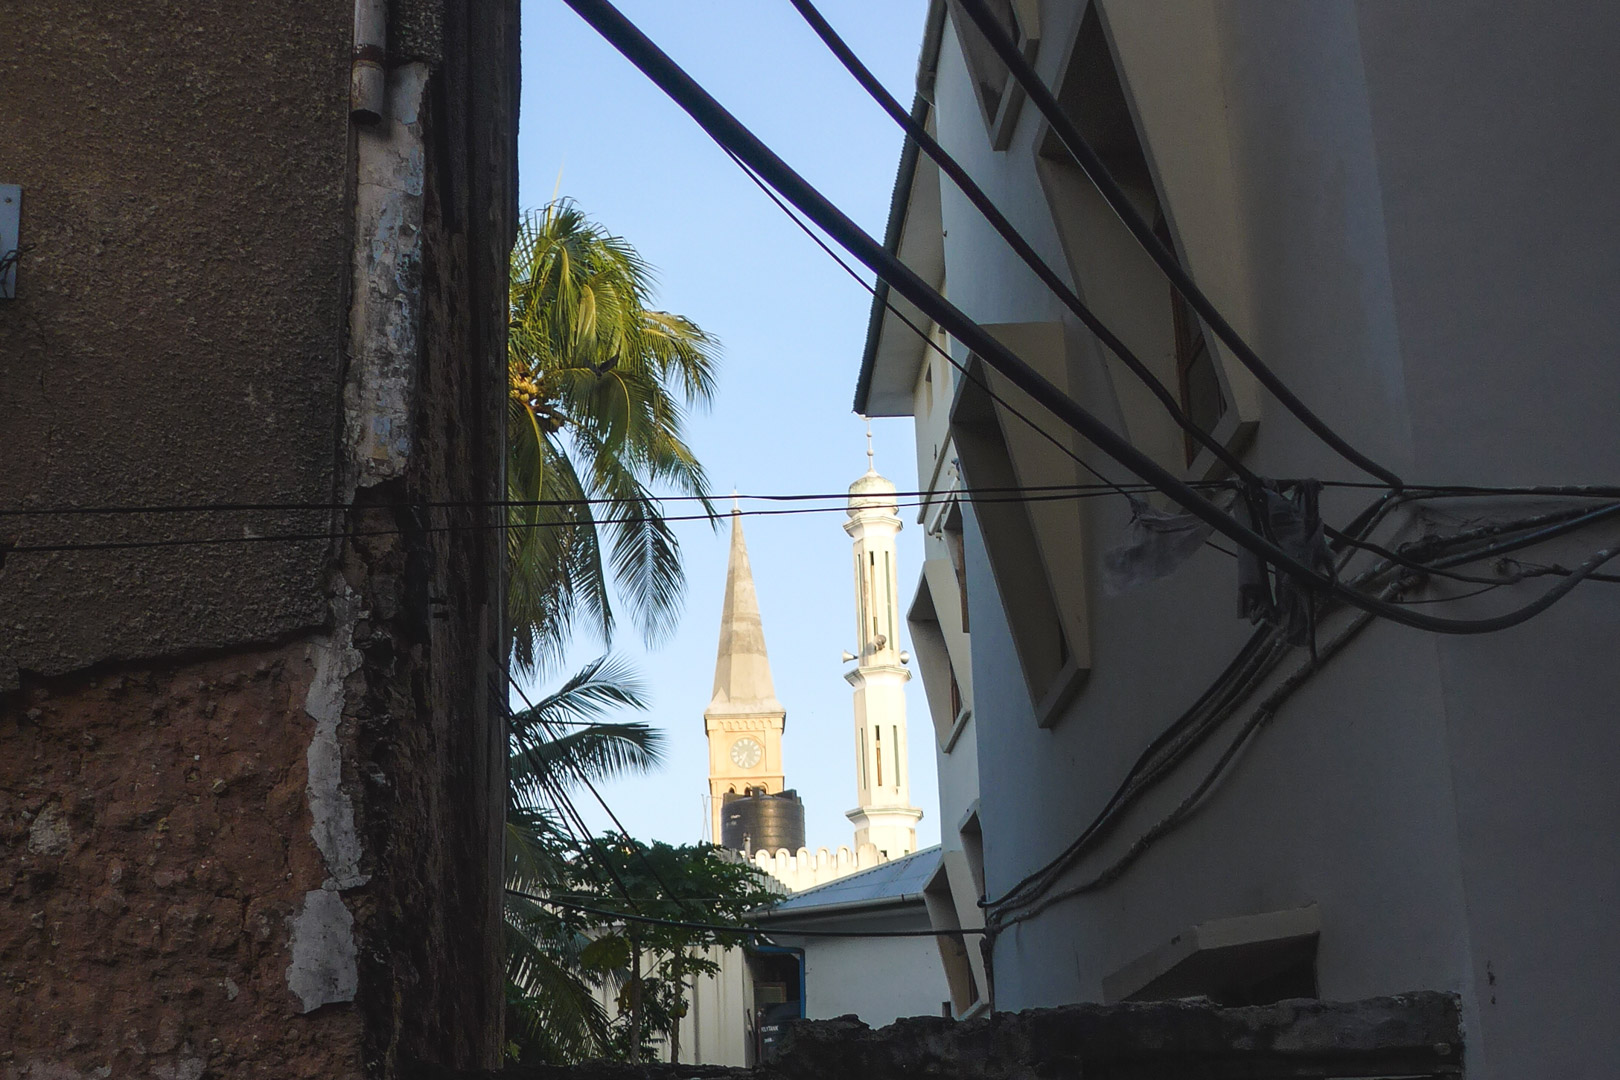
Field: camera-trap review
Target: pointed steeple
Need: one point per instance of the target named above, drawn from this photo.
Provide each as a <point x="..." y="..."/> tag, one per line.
<point x="742" y="672"/>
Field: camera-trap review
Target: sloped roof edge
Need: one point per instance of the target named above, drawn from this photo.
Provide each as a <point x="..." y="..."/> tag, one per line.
<point x="927" y="63"/>
<point x="888" y="883"/>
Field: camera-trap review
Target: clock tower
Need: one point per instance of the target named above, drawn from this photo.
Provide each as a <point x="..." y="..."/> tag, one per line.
<point x="744" y="721"/>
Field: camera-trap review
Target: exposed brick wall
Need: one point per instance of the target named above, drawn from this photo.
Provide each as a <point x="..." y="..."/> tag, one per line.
<point x="156" y="839"/>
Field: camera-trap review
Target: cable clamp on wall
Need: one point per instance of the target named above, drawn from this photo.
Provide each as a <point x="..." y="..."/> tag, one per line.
<point x="11" y="246"/>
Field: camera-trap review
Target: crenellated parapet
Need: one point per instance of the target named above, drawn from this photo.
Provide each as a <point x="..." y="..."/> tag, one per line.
<point x="795" y="871"/>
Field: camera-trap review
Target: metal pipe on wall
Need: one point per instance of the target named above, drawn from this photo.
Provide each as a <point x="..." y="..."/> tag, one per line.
<point x="368" y="88"/>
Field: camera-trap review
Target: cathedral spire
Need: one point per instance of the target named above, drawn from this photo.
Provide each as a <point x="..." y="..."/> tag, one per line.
<point x="742" y="671"/>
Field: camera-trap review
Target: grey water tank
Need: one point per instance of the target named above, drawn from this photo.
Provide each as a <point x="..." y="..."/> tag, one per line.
<point x="756" y="821"/>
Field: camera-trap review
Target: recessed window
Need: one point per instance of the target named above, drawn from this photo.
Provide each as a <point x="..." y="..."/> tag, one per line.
<point x="1000" y="95"/>
<point x="1243" y="960"/>
<point x="1034" y="546"/>
<point x="941" y="644"/>
<point x="1111" y="271"/>
<point x="1198" y="387"/>
<point x="953" y="944"/>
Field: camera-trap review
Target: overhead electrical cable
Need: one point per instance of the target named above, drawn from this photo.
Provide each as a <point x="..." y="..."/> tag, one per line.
<point x="1254" y="662"/>
<point x="927" y="339"/>
<point x="1262" y="715"/>
<point x="303" y="537"/>
<point x="967" y="373"/>
<point x="1142" y="230"/>
<point x="431" y="504"/>
<point x="918" y="133"/>
<point x="1410" y="491"/>
<point x="726" y="130"/>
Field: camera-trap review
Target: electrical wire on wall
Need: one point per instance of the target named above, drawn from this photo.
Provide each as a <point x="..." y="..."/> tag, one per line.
<point x="918" y="133"/>
<point x="734" y="137"/>
<point x="1118" y="201"/>
<point x="1266" y="649"/>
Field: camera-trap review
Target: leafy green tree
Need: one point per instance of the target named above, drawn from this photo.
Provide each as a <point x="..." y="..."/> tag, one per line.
<point x="701" y="885"/>
<point x="554" y="1015"/>
<point x="600" y="386"/>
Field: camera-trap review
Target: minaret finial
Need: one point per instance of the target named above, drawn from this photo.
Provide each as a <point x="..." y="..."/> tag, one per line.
<point x="870" y="464"/>
<point x="736" y="507"/>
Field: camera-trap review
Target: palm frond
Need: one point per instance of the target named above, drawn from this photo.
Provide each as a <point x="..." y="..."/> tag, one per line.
<point x="616" y="378"/>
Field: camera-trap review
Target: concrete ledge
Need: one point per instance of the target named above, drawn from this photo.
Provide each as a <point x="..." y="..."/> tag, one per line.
<point x="1194" y="957"/>
<point x="1412" y="1035"/>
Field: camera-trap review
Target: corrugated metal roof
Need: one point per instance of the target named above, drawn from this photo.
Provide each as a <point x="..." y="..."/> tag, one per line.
<point x="887" y="881"/>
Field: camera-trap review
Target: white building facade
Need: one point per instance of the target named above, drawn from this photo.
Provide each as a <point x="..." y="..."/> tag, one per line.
<point x="1408" y="212"/>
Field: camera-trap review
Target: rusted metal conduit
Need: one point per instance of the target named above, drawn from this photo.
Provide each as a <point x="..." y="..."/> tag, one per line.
<point x="368" y="86"/>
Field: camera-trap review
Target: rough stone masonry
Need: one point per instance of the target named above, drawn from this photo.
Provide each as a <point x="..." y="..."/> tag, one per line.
<point x="1414" y="1036"/>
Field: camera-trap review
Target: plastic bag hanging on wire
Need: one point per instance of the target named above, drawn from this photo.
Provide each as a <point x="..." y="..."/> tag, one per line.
<point x="1155" y="543"/>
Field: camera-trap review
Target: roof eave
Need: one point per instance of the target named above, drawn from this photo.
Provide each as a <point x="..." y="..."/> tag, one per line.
<point x="900" y="200"/>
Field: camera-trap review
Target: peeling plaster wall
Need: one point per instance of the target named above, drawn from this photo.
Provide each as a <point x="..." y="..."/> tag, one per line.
<point x="435" y="831"/>
<point x="155" y="850"/>
<point x="251" y="795"/>
<point x="385" y="317"/>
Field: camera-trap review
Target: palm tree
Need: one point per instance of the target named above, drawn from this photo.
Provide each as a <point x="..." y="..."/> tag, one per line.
<point x="600" y="385"/>
<point x="553" y="1013"/>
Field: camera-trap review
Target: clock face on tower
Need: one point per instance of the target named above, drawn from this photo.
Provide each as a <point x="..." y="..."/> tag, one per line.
<point x="746" y="752"/>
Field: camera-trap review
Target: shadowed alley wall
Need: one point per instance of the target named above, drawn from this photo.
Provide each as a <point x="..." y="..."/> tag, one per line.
<point x="251" y="793"/>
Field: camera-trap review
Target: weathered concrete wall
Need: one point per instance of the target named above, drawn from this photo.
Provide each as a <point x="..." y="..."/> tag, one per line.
<point x="197" y="323"/>
<point x="176" y="336"/>
<point x="433" y="717"/>
<point x="1413" y="1035"/>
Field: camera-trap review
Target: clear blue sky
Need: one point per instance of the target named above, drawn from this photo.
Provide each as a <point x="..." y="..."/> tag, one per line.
<point x="792" y="325"/>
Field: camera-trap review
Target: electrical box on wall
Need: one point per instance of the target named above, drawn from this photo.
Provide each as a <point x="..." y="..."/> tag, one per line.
<point x="10" y="238"/>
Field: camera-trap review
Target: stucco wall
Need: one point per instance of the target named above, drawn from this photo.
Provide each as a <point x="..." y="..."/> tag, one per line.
<point x="1424" y="235"/>
<point x="877" y="979"/>
<point x="177" y="332"/>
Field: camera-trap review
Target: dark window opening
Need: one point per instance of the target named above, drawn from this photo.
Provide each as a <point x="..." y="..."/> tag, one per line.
<point x="953" y="544"/>
<point x="778" y="995"/>
<point x="1093" y="94"/>
<point x="999" y="94"/>
<point x="1246" y="960"/>
<point x="1198" y="387"/>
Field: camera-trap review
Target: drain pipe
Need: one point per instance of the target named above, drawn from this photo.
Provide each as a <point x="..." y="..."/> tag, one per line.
<point x="368" y="92"/>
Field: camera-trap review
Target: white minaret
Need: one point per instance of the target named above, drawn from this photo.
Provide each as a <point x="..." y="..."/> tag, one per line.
<point x="884" y="817"/>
